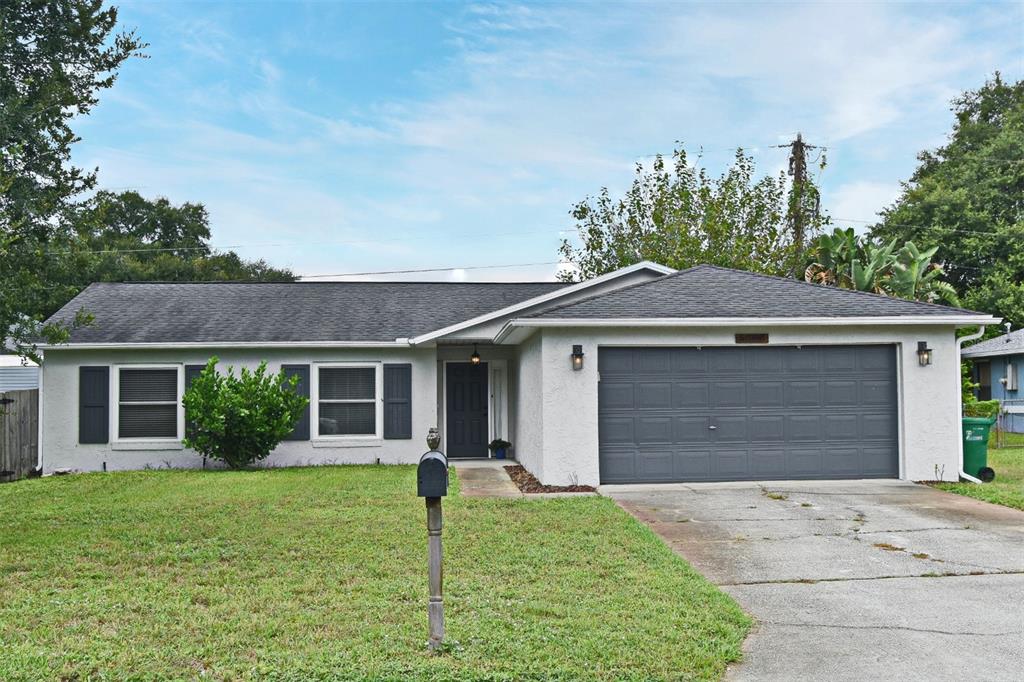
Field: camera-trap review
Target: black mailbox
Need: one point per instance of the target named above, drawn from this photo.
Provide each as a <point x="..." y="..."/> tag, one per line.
<point x="432" y="475"/>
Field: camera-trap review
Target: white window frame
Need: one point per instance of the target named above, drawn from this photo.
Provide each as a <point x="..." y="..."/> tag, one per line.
<point x="115" y="402"/>
<point x="314" y="407"/>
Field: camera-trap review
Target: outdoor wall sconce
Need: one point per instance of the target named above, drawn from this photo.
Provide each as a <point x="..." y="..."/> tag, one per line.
<point x="474" y="359"/>
<point x="924" y="353"/>
<point x="577" y="357"/>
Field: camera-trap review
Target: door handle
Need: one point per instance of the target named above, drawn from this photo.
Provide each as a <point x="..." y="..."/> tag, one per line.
<point x="712" y="427"/>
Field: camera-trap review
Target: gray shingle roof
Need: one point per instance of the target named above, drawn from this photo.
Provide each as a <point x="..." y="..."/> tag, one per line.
<point x="279" y="312"/>
<point x="1007" y="344"/>
<point x="707" y="291"/>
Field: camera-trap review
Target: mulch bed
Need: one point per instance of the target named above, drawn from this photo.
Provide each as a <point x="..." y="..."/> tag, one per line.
<point x="528" y="483"/>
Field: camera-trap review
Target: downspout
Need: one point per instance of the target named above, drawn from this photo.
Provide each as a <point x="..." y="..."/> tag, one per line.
<point x="39" y="418"/>
<point x="960" y="441"/>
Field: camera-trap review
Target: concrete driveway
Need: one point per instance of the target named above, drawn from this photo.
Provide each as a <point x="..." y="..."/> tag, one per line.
<point x="854" y="580"/>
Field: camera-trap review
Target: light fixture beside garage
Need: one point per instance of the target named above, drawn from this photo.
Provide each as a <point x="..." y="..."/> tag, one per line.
<point x="924" y="353"/>
<point x="577" y="357"/>
<point x="474" y="359"/>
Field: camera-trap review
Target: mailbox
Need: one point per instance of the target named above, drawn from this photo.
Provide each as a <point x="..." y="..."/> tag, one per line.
<point x="432" y="475"/>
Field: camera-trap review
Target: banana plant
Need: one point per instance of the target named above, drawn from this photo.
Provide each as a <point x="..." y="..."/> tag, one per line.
<point x="843" y="259"/>
<point x="914" y="276"/>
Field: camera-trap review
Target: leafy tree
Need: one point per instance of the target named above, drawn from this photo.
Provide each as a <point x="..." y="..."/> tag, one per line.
<point x="55" y="56"/>
<point x="966" y="200"/>
<point x="846" y="260"/>
<point x="677" y="215"/>
<point x="127" y="237"/>
<point x="240" y="420"/>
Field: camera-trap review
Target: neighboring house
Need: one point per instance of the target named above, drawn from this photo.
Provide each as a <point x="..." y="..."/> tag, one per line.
<point x="641" y="375"/>
<point x="997" y="371"/>
<point x="18" y="374"/>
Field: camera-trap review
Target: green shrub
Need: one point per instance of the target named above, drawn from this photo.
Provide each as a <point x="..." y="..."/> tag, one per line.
<point x="982" y="408"/>
<point x="240" y="420"/>
<point x="967" y="386"/>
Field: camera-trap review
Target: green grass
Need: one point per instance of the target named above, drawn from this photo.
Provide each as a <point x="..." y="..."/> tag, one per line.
<point x="1008" y="487"/>
<point x="320" y="573"/>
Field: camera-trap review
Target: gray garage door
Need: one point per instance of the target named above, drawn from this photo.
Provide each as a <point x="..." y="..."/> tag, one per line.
<point x="747" y="413"/>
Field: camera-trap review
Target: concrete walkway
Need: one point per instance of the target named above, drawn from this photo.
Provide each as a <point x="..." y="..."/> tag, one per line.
<point x="856" y="580"/>
<point x="484" y="478"/>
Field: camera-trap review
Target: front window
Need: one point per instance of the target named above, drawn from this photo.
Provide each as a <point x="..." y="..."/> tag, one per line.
<point x="147" y="402"/>
<point x="348" y="398"/>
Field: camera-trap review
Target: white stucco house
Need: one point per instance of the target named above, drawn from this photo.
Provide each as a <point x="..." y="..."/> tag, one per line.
<point x="641" y="375"/>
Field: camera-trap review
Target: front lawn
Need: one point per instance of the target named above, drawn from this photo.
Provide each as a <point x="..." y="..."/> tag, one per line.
<point x="320" y="573"/>
<point x="1008" y="487"/>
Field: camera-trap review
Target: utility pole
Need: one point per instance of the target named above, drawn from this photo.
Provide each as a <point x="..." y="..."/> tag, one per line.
<point x="798" y="212"/>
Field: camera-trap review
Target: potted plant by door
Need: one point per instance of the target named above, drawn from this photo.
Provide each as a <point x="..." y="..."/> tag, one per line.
<point x="499" y="447"/>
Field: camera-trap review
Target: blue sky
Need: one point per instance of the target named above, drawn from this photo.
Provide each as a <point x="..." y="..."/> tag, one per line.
<point x="344" y="137"/>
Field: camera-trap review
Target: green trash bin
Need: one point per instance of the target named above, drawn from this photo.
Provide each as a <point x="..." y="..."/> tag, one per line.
<point x="976" y="447"/>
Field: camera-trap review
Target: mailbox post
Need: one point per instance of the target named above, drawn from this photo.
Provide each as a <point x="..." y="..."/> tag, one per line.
<point x="432" y="484"/>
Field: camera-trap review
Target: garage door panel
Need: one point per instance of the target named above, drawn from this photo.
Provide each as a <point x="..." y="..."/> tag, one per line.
<point x="686" y="361"/>
<point x="656" y="465"/>
<point x="693" y="465"/>
<point x="803" y="462"/>
<point x="840" y="427"/>
<point x="765" y="361"/>
<point x="654" y="395"/>
<point x="655" y="360"/>
<point x="877" y="461"/>
<point x="617" y="430"/>
<point x="803" y="427"/>
<point x="731" y="463"/>
<point x="767" y="429"/>
<point x="777" y="413"/>
<point x="653" y="430"/>
<point x="839" y="358"/>
<point x="878" y="427"/>
<point x="722" y="362"/>
<point x="690" y="394"/>
<point x="878" y="392"/>
<point x="728" y="394"/>
<point x="807" y="359"/>
<point x="768" y="463"/>
<point x="730" y="429"/>
<point x="842" y="461"/>
<point x="766" y="394"/>
<point x="803" y="393"/>
<point x="617" y="465"/>
<point x="616" y="394"/>
<point x="880" y="358"/>
<point x="692" y="430"/>
<point x="839" y="393"/>
<point x="616" y="360"/>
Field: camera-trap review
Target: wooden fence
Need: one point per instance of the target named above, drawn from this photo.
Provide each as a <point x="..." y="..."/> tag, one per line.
<point x="19" y="434"/>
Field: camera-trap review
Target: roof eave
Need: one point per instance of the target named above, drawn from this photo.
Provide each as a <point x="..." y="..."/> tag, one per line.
<point x="991" y="353"/>
<point x="164" y="345"/>
<point x="893" y="321"/>
<point x="537" y="300"/>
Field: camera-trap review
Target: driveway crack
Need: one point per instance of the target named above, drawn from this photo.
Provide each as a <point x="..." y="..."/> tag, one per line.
<point x="888" y="627"/>
<point x="812" y="581"/>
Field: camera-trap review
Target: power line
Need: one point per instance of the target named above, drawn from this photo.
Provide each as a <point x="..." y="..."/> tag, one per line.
<point x="919" y="227"/>
<point x="419" y="270"/>
<point x="367" y="242"/>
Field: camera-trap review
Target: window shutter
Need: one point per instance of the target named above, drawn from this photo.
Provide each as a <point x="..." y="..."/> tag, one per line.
<point x="93" y="404"/>
<point x="301" y="431"/>
<point x="191" y="372"/>
<point x="398" y="401"/>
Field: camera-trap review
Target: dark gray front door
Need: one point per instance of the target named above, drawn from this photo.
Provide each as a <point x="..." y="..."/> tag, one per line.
<point x="466" y="409"/>
<point x="743" y="413"/>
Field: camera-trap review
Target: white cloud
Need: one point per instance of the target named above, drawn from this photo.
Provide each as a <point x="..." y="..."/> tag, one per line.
<point x="535" y="107"/>
<point x="855" y="202"/>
